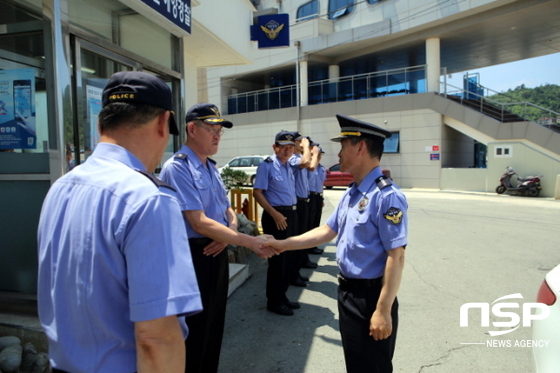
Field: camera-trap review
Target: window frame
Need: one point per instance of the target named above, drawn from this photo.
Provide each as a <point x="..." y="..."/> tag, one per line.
<point x="503" y="151"/>
<point x="340" y="11"/>
<point x="396" y="137"/>
<point x="307" y="16"/>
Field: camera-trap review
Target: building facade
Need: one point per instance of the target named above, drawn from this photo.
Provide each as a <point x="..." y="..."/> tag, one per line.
<point x="387" y="62"/>
<point x="55" y="58"/>
<point x="380" y="61"/>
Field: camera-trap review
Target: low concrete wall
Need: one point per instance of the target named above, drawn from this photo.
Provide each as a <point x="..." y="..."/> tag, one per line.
<point x="469" y="179"/>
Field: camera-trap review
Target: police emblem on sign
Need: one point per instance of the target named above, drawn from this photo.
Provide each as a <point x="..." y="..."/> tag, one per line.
<point x="394" y="215"/>
<point x="272" y="29"/>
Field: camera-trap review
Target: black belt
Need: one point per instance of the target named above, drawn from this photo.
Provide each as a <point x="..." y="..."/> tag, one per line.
<point x="359" y="282"/>
<point x="303" y="199"/>
<point x="285" y="208"/>
<point x="316" y="193"/>
<point x="199" y="241"/>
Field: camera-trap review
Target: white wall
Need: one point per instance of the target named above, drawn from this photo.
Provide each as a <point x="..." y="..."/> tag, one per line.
<point x="253" y="133"/>
<point x="464" y="179"/>
<point x="526" y="160"/>
<point x="227" y="22"/>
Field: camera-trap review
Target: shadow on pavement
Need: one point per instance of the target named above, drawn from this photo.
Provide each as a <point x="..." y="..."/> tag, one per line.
<point x="258" y="341"/>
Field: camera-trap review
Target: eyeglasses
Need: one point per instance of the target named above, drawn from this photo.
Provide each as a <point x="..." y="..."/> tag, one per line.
<point x="216" y="132"/>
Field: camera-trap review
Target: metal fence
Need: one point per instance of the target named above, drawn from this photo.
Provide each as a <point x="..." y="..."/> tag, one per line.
<point x="347" y="88"/>
<point x="501" y="106"/>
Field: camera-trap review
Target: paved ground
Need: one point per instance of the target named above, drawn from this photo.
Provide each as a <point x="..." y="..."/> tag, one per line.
<point x="462" y="248"/>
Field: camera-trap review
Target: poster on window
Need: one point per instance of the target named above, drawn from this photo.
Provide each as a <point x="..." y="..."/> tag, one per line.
<point x="17" y="109"/>
<point x="93" y="97"/>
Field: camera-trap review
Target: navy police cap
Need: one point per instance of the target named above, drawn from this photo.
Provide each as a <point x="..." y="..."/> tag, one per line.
<point x="350" y="127"/>
<point x="207" y="113"/>
<point x="140" y="87"/>
<point x="285" y="138"/>
<point x="297" y="135"/>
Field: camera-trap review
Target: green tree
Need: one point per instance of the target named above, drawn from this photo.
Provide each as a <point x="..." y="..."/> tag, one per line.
<point x="546" y="96"/>
<point x="233" y="178"/>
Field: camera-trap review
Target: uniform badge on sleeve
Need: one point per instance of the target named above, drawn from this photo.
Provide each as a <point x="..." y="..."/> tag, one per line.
<point x="394" y="215"/>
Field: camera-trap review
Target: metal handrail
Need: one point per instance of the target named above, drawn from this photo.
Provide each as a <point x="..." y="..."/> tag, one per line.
<point x="502" y="107"/>
<point x="329" y="90"/>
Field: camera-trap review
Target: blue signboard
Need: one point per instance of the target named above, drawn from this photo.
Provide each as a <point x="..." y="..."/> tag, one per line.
<point x="17" y="109"/>
<point x="177" y="11"/>
<point x="272" y="31"/>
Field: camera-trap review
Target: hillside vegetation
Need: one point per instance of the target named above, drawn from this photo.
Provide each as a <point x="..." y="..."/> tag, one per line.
<point x="546" y="96"/>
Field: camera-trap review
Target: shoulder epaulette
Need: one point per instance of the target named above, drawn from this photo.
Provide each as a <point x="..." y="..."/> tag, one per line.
<point x="268" y="159"/>
<point x="156" y="181"/>
<point x="182" y="156"/>
<point x="383" y="182"/>
<point x="211" y="160"/>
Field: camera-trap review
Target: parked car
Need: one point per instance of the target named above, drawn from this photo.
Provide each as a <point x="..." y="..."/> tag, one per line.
<point x="547" y="359"/>
<point x="337" y="178"/>
<point x="343" y="179"/>
<point x="247" y="164"/>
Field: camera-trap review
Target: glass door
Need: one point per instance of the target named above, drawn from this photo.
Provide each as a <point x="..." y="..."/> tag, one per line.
<point x="93" y="66"/>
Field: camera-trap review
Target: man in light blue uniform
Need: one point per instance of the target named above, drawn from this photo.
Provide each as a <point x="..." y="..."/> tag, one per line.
<point x="115" y="269"/>
<point x="211" y="225"/>
<point x="274" y="190"/>
<point x="316" y="180"/>
<point x="303" y="161"/>
<point x="371" y="223"/>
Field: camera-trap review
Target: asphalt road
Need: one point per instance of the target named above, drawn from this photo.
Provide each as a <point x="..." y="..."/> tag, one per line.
<point x="463" y="248"/>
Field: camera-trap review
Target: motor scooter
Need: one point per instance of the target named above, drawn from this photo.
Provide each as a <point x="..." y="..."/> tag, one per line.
<point x="528" y="186"/>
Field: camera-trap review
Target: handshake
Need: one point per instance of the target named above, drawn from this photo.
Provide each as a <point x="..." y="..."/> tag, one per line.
<point x="266" y="246"/>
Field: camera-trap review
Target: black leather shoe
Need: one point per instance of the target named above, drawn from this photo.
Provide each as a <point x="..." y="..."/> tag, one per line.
<point x="303" y="278"/>
<point x="315" y="251"/>
<point x="293" y="305"/>
<point x="310" y="264"/>
<point x="280" y="309"/>
<point x="298" y="282"/>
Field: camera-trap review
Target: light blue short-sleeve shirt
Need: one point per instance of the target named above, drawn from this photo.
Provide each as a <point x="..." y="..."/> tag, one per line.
<point x="317" y="179"/>
<point x="113" y="250"/>
<point x="277" y="182"/>
<point x="199" y="186"/>
<point x="369" y="222"/>
<point x="301" y="176"/>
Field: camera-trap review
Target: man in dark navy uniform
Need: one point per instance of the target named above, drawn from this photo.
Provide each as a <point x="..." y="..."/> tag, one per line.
<point x="371" y="224"/>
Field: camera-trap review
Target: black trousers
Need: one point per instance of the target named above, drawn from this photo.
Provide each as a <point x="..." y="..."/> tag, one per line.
<point x="280" y="267"/>
<point x="315" y="210"/>
<point x="206" y="328"/>
<point x="304" y="224"/>
<point x="361" y="352"/>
